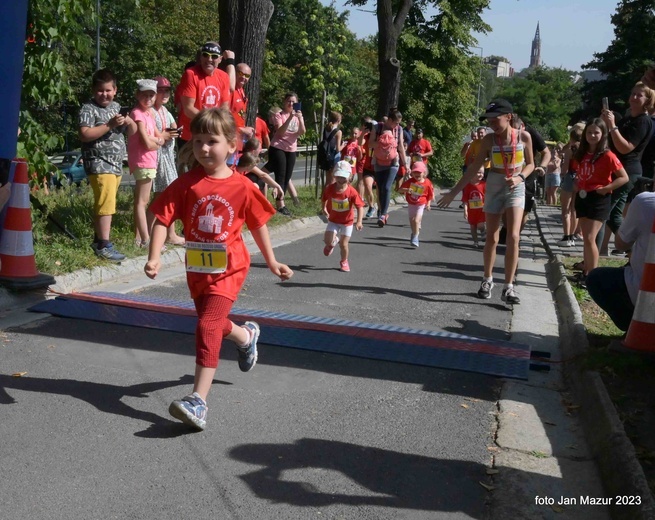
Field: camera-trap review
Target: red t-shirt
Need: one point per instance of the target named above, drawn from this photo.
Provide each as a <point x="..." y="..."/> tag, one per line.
<point x="238" y="107"/>
<point x="367" y="152"/>
<point x="261" y="129"/>
<point x="214" y="211"/>
<point x="341" y="206"/>
<point x="598" y="174"/>
<point x="353" y="154"/>
<point x="208" y="92"/>
<point x="473" y="197"/>
<point x="421" y="146"/>
<point x="419" y="192"/>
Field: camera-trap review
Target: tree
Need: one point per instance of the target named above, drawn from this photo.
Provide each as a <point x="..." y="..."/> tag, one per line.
<point x="55" y="41"/>
<point x="391" y="15"/>
<point x="316" y="54"/>
<point x="545" y="98"/>
<point x="626" y="58"/>
<point x="243" y="27"/>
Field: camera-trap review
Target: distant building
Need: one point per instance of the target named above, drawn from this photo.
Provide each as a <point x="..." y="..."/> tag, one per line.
<point x="500" y="68"/>
<point x="535" y="55"/>
<point x="589" y="76"/>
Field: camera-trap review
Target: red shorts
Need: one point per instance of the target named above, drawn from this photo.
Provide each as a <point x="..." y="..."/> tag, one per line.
<point x="476" y="216"/>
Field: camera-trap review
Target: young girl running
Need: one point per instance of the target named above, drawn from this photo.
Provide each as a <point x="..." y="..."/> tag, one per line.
<point x="510" y="152"/>
<point x="419" y="193"/>
<point x="473" y="200"/>
<point x="599" y="172"/>
<point x="214" y="203"/>
<point x="339" y="201"/>
<point x="142" y="149"/>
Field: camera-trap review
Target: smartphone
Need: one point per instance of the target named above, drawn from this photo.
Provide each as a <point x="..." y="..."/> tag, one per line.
<point x="606" y="104"/>
<point x="125" y="111"/>
<point x="297" y="107"/>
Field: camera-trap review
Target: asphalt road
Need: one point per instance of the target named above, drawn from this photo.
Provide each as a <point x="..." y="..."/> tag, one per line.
<point x="86" y="432"/>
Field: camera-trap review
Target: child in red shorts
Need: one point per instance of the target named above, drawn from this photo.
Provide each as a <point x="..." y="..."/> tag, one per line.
<point x="214" y="202"/>
<point x="473" y="200"/>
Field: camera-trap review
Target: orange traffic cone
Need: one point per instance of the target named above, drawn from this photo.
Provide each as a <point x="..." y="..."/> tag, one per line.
<point x="641" y="333"/>
<point x="17" y="264"/>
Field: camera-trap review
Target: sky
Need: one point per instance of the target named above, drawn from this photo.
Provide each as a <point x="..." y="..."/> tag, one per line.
<point x="571" y="30"/>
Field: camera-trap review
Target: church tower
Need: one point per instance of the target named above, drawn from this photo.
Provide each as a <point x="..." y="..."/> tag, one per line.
<point x="535" y="56"/>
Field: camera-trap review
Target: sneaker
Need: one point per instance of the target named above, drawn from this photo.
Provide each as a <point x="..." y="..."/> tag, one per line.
<point x="344" y="267"/>
<point x="109" y="253"/>
<point x="284" y="211"/>
<point x="566" y="241"/>
<point x="191" y="410"/>
<point x="248" y="354"/>
<point x="485" y="289"/>
<point x="414" y="240"/>
<point x="476" y="245"/>
<point x="382" y="220"/>
<point x="371" y="211"/>
<point x="509" y="295"/>
<point x="327" y="250"/>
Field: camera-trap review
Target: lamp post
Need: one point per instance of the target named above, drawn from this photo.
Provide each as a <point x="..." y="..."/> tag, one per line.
<point x="480" y="75"/>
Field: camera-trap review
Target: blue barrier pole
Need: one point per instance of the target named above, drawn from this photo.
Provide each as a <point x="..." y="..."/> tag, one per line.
<point x="13" y="24"/>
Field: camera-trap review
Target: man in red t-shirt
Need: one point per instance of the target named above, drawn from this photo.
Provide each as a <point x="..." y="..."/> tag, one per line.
<point x="239" y="104"/>
<point x="205" y="86"/>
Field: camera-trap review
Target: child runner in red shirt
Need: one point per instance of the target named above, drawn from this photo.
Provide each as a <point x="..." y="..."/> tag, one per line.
<point x="473" y="199"/>
<point x="339" y="201"/>
<point x="214" y="202"/>
<point x="419" y="193"/>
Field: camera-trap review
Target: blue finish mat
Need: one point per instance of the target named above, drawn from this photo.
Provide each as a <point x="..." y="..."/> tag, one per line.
<point x="335" y="336"/>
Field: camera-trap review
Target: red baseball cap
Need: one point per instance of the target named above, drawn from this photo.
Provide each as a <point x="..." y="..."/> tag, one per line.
<point x="162" y="82"/>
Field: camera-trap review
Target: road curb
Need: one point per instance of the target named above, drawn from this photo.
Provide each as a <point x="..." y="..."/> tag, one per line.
<point x="620" y="470"/>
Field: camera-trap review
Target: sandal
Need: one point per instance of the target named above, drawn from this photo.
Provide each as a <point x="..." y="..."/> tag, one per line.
<point x="579" y="266"/>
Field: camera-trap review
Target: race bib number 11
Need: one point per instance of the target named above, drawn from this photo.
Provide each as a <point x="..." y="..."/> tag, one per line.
<point x="208" y="258"/>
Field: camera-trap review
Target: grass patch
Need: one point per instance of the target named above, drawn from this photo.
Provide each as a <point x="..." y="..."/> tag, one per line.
<point x="56" y="253"/>
<point x="628" y="377"/>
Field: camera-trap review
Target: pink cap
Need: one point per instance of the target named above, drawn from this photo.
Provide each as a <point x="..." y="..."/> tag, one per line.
<point x="419" y="166"/>
<point x="162" y="82"/>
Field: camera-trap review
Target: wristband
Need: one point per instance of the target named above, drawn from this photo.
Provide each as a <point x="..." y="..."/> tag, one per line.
<point x="229" y="61"/>
<point x="522" y="176"/>
<point x="614" y="129"/>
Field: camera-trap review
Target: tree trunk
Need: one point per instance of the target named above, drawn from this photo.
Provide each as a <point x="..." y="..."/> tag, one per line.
<point x="389" y="27"/>
<point x="243" y="25"/>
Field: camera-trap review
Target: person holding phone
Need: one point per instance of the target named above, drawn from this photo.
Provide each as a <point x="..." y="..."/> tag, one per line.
<point x="628" y="139"/>
<point x="288" y="126"/>
<point x="102" y="128"/>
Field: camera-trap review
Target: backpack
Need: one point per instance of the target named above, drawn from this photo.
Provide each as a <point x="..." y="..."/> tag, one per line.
<point x="386" y="148"/>
<point x="326" y="151"/>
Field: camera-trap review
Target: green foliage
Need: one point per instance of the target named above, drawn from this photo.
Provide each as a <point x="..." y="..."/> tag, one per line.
<point x="56" y="40"/>
<point x="626" y="58"/>
<point x="544" y="98"/>
<point x="313" y="42"/>
<point x="158" y="38"/>
<point x="440" y="78"/>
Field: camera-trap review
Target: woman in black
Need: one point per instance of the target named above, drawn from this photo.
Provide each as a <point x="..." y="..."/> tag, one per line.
<point x="628" y="138"/>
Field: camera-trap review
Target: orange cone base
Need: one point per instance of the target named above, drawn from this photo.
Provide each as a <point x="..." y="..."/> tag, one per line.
<point x="25" y="284"/>
<point x="640" y="337"/>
